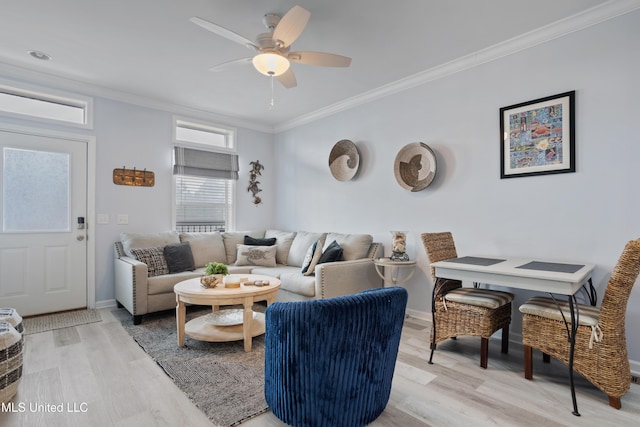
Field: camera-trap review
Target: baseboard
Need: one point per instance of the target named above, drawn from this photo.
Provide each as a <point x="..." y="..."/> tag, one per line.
<point x="106" y="303"/>
<point x="517" y="339"/>
<point x="422" y="315"/>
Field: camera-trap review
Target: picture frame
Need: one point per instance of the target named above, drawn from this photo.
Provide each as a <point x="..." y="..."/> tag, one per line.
<point x="538" y="137"/>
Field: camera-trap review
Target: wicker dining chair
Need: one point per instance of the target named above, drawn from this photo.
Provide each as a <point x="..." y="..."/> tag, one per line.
<point x="459" y="311"/>
<point x="600" y="353"/>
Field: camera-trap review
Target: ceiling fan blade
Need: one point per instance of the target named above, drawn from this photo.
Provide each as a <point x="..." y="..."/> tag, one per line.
<point x="230" y="64"/>
<point x="223" y="32"/>
<point x="288" y="79"/>
<point x="291" y="25"/>
<point x="320" y="58"/>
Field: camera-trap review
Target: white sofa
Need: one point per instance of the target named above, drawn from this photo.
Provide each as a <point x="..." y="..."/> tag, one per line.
<point x="148" y="287"/>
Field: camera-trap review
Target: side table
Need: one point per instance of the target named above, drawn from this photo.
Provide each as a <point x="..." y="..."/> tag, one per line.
<point x="395" y="267"/>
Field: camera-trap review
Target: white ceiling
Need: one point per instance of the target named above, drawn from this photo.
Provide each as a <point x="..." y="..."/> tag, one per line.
<point x="148" y="48"/>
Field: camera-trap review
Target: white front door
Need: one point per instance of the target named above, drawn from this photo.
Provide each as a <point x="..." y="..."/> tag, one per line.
<point x="43" y="250"/>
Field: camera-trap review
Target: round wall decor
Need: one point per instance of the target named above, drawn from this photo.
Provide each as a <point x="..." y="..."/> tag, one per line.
<point x="415" y="166"/>
<point x="344" y="160"/>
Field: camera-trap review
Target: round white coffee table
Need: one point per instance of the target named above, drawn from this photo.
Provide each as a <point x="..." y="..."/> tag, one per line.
<point x="224" y="325"/>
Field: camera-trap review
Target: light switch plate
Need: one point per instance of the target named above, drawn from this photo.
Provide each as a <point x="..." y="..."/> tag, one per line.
<point x="102" y="219"/>
<point x="123" y="219"/>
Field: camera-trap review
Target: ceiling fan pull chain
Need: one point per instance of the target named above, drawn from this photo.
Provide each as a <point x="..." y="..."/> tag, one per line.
<point x="272" y="102"/>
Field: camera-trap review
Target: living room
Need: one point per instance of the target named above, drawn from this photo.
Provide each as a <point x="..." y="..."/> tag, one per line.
<point x="586" y="216"/>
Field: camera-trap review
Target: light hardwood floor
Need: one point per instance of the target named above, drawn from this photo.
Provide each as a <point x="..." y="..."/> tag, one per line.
<point x="100" y="365"/>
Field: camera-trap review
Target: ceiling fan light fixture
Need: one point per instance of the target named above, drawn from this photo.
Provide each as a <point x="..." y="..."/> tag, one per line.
<point x="270" y="64"/>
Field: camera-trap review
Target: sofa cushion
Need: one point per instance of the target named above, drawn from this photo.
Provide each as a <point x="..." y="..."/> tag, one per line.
<point x="147" y="240"/>
<point x="298" y="283"/>
<point x="276" y="271"/>
<point x="252" y="241"/>
<point x="333" y="252"/>
<point x="154" y="258"/>
<point x="179" y="257"/>
<point x="165" y="283"/>
<point x="256" y="255"/>
<point x="205" y="247"/>
<point x="283" y="243"/>
<point x="354" y="246"/>
<point x="300" y="244"/>
<point x="234" y="238"/>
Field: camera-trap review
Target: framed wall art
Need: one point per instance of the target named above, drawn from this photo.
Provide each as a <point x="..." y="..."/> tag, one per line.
<point x="538" y="137"/>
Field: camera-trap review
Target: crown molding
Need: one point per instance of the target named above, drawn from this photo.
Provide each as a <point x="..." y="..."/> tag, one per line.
<point x="560" y="28"/>
<point x="27" y="76"/>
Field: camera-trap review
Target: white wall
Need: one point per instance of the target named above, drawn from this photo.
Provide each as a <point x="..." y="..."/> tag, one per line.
<point x="129" y="135"/>
<point x="584" y="216"/>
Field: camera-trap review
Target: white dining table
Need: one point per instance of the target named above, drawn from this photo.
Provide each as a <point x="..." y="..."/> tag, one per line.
<point x="532" y="274"/>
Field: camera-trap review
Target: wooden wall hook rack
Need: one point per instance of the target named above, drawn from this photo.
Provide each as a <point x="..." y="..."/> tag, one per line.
<point x="137" y="178"/>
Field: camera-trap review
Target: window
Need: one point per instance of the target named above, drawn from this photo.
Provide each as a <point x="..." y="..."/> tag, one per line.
<point x="45" y="105"/>
<point x="205" y="170"/>
<point x="36" y="201"/>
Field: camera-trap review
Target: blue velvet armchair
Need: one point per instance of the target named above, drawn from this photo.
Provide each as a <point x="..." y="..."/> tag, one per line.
<point x="330" y="362"/>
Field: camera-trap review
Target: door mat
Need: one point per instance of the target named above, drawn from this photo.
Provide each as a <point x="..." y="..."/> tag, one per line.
<point x="49" y="322"/>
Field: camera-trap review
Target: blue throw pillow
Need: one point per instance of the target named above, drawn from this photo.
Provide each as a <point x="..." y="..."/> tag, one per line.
<point x="332" y="253"/>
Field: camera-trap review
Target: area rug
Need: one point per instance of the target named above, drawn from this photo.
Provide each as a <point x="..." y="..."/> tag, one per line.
<point x="49" y="322"/>
<point x="220" y="378"/>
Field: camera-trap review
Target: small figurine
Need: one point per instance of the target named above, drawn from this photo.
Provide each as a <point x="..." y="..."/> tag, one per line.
<point x="399" y="247"/>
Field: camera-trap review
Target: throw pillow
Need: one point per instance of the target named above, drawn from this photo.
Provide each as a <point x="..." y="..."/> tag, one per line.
<point x="154" y="258"/>
<point x="308" y="257"/>
<point x="256" y="255"/>
<point x="313" y="256"/>
<point x="252" y="241"/>
<point x="332" y="253"/>
<point x="179" y="257"/>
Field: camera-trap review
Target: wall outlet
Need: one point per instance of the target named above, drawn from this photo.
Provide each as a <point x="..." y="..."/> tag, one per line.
<point x="123" y="219"/>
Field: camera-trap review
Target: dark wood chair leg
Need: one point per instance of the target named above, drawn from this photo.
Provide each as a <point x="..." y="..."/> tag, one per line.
<point x="484" y="352"/>
<point x="137" y="319"/>
<point x="505" y="339"/>
<point x="614" y="402"/>
<point x="546" y="358"/>
<point x="528" y="362"/>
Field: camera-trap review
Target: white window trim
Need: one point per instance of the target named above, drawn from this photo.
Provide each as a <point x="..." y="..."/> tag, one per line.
<point x="230" y="133"/>
<point x="50" y="95"/>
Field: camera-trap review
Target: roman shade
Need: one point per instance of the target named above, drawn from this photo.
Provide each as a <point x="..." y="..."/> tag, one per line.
<point x="207" y="164"/>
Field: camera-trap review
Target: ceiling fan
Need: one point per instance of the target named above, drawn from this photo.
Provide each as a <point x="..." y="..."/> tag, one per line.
<point x="273" y="47"/>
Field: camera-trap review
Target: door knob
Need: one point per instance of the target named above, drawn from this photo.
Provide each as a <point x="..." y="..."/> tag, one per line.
<point x="80" y="238"/>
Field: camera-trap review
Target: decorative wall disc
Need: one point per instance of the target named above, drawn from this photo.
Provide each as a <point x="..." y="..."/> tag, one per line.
<point x="415" y="166"/>
<point x="344" y="160"/>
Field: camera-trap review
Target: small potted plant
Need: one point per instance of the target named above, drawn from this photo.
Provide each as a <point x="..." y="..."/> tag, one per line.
<point x="214" y="274"/>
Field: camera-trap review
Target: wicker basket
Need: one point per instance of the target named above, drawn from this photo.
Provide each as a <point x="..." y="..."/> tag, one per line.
<point x="11" y="349"/>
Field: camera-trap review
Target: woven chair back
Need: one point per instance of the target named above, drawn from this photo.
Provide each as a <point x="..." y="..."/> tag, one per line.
<point x="616" y="296"/>
<point x="439" y="247"/>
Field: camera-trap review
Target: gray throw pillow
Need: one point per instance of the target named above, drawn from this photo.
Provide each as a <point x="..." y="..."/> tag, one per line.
<point x="179" y="257"/>
<point x="332" y="253"/>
